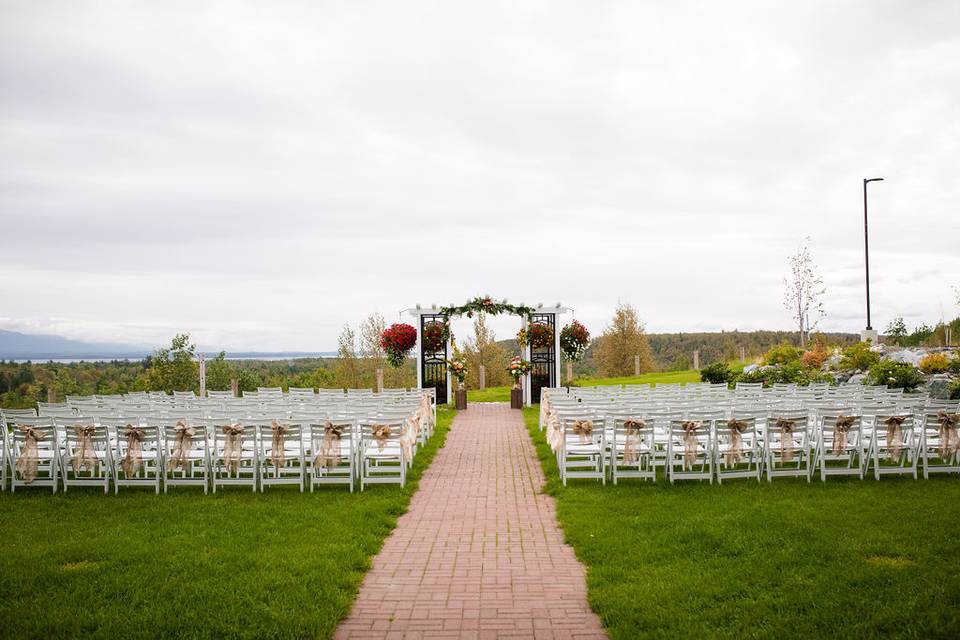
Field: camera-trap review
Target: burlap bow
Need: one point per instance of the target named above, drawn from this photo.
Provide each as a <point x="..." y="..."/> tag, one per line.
<point x="894" y="437"/>
<point x="690" y="444"/>
<point x="183" y="439"/>
<point x="632" y="442"/>
<point x="84" y="457"/>
<point x="425" y="411"/>
<point x="949" y="444"/>
<point x="786" y="438"/>
<point x="841" y="433"/>
<point x="381" y="433"/>
<point x="329" y="454"/>
<point x="29" y="461"/>
<point x="584" y="429"/>
<point x="735" y="453"/>
<point x="233" y="447"/>
<point x="408" y="437"/>
<point x="278" y="443"/>
<point x="134" y="458"/>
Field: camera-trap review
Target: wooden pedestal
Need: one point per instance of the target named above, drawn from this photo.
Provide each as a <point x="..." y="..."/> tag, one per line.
<point x="461" y="397"/>
<point x="516" y="398"/>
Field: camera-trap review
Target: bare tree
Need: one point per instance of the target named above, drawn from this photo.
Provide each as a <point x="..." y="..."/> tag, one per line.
<point x="803" y="291"/>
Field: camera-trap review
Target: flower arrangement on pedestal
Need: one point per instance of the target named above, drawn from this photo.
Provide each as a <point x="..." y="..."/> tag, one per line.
<point x="397" y="340"/>
<point x="458" y="369"/>
<point x="518" y="368"/>
<point x="537" y="335"/>
<point x="434" y="337"/>
<point x="574" y="340"/>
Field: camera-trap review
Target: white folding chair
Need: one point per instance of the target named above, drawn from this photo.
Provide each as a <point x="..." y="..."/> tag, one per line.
<point x="85" y="459"/>
<point x="137" y="456"/>
<point x="186" y="455"/>
<point x="737" y="451"/>
<point x="894" y="445"/>
<point x="582" y="448"/>
<point x="332" y="452"/>
<point x="940" y="443"/>
<point x="786" y="445"/>
<point x="234" y="454"/>
<point x="34" y="453"/>
<point x="281" y="454"/>
<point x="840" y="447"/>
<point x="632" y="449"/>
<point x="690" y="450"/>
<point x="381" y="457"/>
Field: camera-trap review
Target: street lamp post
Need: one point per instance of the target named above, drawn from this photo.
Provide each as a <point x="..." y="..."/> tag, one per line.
<point x="868" y="333"/>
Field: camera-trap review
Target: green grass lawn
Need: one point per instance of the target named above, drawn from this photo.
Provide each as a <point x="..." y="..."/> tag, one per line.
<point x="279" y="564"/>
<point x="502" y="394"/>
<point x="789" y="559"/>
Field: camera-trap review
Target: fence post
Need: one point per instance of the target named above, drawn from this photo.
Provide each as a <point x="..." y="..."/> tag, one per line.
<point x="696" y="359"/>
<point x="379" y="380"/>
<point x="235" y="387"/>
<point x="743" y="354"/>
<point x="483" y="377"/>
<point x="636" y="365"/>
<point x="569" y="371"/>
<point x="203" y="375"/>
<point x="51" y="395"/>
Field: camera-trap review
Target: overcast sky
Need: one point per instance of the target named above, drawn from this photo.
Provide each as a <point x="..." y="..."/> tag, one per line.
<point x="261" y="173"/>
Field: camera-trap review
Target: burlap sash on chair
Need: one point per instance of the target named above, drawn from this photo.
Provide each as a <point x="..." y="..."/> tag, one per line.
<point x="233" y="447"/>
<point x="949" y="443"/>
<point x="29" y="461"/>
<point x="134" y="458"/>
<point x="584" y="429"/>
<point x="631" y="443"/>
<point x="554" y="430"/>
<point x="278" y="443"/>
<point x="329" y="454"/>
<point x="735" y="453"/>
<point x="841" y="433"/>
<point x="84" y="457"/>
<point x="183" y="439"/>
<point x="425" y="411"/>
<point x="381" y="433"/>
<point x="786" y="438"/>
<point x="408" y="437"/>
<point x="894" y="437"/>
<point x="690" y="444"/>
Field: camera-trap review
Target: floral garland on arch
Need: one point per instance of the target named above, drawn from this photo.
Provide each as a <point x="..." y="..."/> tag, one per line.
<point x="396" y="340"/>
<point x="537" y="334"/>
<point x="574" y="340"/>
<point x="486" y="304"/>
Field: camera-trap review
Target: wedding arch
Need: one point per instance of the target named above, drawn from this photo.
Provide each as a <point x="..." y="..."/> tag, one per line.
<point x="434" y="344"/>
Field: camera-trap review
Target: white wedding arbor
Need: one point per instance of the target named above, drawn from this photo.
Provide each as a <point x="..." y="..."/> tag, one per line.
<point x="432" y="357"/>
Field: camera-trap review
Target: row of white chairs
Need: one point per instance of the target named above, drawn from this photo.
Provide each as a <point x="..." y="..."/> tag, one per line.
<point x="593" y="435"/>
<point x="348" y="447"/>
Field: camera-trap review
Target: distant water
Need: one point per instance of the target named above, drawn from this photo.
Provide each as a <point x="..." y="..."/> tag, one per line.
<point x="210" y="356"/>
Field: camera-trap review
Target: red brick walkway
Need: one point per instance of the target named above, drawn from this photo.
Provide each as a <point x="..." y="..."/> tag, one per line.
<point x="479" y="554"/>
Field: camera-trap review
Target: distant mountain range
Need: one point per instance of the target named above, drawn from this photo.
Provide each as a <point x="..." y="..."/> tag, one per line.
<point x="21" y="346"/>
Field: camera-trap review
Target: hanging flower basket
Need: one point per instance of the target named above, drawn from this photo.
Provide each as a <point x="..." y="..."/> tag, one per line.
<point x="574" y="340"/>
<point x="397" y="340"/>
<point x="539" y="336"/>
<point x="434" y="337"/>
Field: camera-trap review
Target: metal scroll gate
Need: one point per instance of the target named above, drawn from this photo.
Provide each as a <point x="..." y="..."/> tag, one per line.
<point x="433" y="369"/>
<point x="543" y="361"/>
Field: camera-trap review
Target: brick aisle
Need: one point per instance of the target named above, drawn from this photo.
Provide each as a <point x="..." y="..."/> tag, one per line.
<point x="479" y="554"/>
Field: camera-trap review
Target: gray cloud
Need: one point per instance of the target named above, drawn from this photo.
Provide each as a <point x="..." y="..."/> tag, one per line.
<point x="261" y="174"/>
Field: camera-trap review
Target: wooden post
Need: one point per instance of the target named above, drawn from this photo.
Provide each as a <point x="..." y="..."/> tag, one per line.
<point x="379" y="380"/>
<point x="203" y="375"/>
<point x="743" y="354"/>
<point x="569" y="371"/>
<point x="696" y="359"/>
<point x="235" y="387"/>
<point x="636" y="365"/>
<point x="51" y="395"/>
<point x="483" y="377"/>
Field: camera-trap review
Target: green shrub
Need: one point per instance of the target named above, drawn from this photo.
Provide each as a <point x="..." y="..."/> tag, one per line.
<point x="783" y="354"/>
<point x="955" y="390"/>
<point x="858" y="357"/>
<point x="897" y="375"/>
<point x="935" y="363"/>
<point x="955" y="364"/>
<point x="757" y="375"/>
<point x="716" y="373"/>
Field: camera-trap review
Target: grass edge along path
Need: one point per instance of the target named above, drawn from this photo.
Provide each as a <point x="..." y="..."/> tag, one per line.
<point x="789" y="559"/>
<point x="236" y="564"/>
<point x="502" y="394"/>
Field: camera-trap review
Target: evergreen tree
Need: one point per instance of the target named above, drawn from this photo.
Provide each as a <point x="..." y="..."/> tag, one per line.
<point x="621" y="342"/>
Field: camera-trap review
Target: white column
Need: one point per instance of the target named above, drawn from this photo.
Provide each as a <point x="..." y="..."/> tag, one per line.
<point x="449" y="377"/>
<point x="527" y="395"/>
<point x="419" y="351"/>
<point x="558" y="382"/>
<point x="203" y="376"/>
